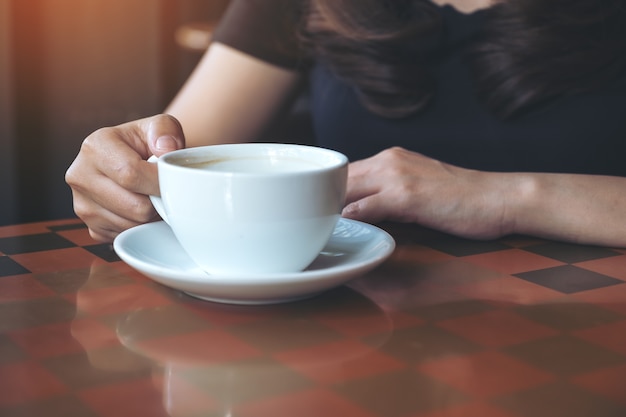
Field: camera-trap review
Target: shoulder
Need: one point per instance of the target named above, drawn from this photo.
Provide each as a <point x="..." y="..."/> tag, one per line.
<point x="265" y="29"/>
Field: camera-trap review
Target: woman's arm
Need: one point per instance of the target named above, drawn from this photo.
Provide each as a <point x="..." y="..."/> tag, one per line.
<point x="231" y="97"/>
<point x="589" y="209"/>
<point x="405" y="186"/>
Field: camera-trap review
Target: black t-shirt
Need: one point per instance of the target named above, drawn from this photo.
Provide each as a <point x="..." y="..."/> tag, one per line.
<point x="585" y="133"/>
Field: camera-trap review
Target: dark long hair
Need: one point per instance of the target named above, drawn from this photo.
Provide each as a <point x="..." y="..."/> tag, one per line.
<point x="530" y="51"/>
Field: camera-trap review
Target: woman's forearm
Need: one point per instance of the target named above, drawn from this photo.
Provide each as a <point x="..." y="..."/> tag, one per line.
<point x="401" y="185"/>
<point x="589" y="209"/>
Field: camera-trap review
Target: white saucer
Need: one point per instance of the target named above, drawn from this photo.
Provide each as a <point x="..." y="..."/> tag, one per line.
<point x="353" y="249"/>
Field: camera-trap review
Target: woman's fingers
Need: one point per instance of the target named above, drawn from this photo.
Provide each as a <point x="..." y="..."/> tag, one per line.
<point x="111" y="209"/>
<point x="164" y="133"/>
<point x="110" y="178"/>
<point x="369" y="209"/>
<point x="363" y="180"/>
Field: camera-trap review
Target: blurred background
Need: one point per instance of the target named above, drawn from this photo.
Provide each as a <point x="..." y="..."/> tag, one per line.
<point x="69" y="67"/>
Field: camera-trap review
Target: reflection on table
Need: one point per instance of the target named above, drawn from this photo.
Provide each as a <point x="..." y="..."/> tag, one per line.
<point x="446" y="327"/>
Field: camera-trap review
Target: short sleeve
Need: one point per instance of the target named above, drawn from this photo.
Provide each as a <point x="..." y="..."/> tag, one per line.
<point x="265" y="29"/>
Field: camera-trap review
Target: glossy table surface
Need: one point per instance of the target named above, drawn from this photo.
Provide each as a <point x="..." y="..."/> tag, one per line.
<point x="518" y="327"/>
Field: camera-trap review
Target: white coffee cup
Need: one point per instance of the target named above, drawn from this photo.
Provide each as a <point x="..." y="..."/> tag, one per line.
<point x="253" y="208"/>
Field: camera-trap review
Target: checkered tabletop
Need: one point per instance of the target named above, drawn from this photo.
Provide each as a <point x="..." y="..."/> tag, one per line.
<point x="446" y="327"/>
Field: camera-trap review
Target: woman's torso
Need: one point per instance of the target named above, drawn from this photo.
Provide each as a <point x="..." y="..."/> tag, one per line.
<point x="575" y="134"/>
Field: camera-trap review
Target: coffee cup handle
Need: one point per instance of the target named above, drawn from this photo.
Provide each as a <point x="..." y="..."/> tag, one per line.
<point x="157" y="202"/>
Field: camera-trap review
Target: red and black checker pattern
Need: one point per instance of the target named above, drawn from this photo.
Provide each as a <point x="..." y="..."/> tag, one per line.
<point x="447" y="327"/>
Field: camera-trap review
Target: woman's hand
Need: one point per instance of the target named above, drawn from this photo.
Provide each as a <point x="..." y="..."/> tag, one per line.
<point x="405" y="186"/>
<point x="110" y="178"/>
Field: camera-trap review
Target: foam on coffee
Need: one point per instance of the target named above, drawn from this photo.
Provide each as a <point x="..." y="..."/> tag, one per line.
<point x="254" y="165"/>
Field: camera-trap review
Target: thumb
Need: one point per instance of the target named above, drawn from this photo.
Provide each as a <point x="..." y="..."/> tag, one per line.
<point x="370" y="209"/>
<point x="165" y="134"/>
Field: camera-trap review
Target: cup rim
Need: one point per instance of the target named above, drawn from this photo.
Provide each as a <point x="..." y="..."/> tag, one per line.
<point x="336" y="159"/>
